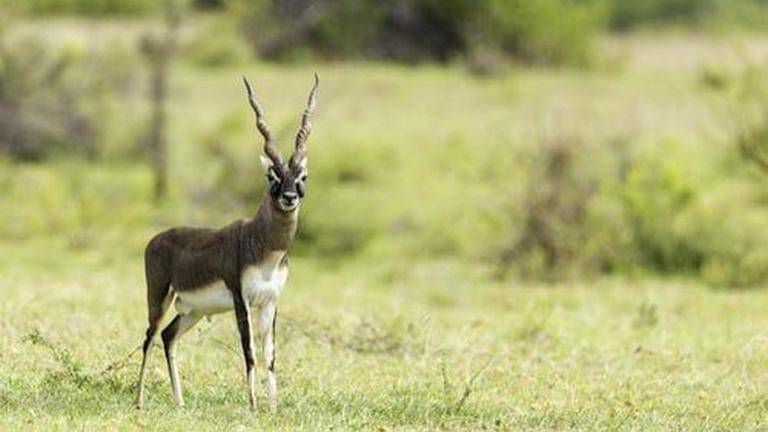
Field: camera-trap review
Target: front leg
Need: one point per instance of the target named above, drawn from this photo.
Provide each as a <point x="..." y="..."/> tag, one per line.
<point x="243" y="316"/>
<point x="267" y="321"/>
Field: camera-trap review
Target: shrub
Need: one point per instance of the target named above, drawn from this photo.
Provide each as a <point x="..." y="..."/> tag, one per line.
<point x="715" y="77"/>
<point x="729" y="226"/>
<point x="671" y="212"/>
<point x="556" y="212"/>
<point x="227" y="48"/>
<point x="690" y="215"/>
<point x="82" y="7"/>
<point x="46" y="106"/>
<point x="752" y="100"/>
<point x="209" y="4"/>
<point x="628" y="14"/>
<point x="731" y="219"/>
<point x="659" y="187"/>
<point x="547" y="31"/>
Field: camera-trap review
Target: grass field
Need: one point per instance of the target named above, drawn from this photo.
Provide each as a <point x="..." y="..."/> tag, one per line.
<point x="390" y="320"/>
<point x="437" y="348"/>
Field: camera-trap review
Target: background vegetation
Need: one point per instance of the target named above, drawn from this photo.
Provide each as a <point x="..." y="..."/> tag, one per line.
<point x="521" y="215"/>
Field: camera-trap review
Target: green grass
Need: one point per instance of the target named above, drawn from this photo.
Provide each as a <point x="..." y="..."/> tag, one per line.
<point x="390" y="320"/>
<point x="359" y="350"/>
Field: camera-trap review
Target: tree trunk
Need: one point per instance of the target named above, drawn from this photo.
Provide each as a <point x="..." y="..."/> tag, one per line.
<point x="159" y="51"/>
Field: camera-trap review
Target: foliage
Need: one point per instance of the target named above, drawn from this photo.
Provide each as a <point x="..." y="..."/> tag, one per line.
<point x="547" y="31"/>
<point x="726" y="226"/>
<point x="730" y="219"/>
<point x="626" y="14"/>
<point x="659" y="216"/>
<point x="471" y="183"/>
<point x="82" y="7"/>
<point x="692" y="13"/>
<point x="556" y="210"/>
<point x="551" y="31"/>
<point x="658" y="189"/>
<point x="46" y="106"/>
<point x="227" y="48"/>
<point x="751" y="139"/>
<point x="543" y="31"/>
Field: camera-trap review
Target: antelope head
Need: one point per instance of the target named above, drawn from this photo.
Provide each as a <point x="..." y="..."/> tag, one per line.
<point x="287" y="182"/>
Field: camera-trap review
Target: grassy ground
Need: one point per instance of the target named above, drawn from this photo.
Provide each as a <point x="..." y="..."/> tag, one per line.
<point x="437" y="348"/>
<point x="399" y="327"/>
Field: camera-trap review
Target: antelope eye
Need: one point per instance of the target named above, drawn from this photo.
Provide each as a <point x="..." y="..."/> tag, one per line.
<point x="303" y="177"/>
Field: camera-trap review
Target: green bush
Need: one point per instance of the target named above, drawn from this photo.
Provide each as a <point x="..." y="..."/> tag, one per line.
<point x="627" y="14"/>
<point x="630" y="14"/>
<point x="542" y="31"/>
<point x="47" y="106"/>
<point x="673" y="212"/>
<point x="545" y="31"/>
<point x="82" y="7"/>
<point x="689" y="215"/>
<point x="554" y="226"/>
<point x="548" y="31"/>
<point x="728" y="225"/>
<point x="659" y="187"/>
<point x="227" y="48"/>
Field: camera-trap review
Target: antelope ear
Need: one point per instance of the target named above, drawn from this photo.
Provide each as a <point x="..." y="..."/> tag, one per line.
<point x="266" y="162"/>
<point x="303" y="162"/>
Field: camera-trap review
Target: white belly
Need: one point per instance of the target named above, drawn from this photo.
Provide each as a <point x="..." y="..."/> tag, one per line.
<point x="261" y="284"/>
<point x="208" y="300"/>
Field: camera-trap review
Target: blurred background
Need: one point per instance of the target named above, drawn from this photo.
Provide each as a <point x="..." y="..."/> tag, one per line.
<point x="543" y="140"/>
<point x="534" y="215"/>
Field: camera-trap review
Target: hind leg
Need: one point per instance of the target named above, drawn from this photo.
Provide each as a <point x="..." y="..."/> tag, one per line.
<point x="156" y="313"/>
<point x="171" y="334"/>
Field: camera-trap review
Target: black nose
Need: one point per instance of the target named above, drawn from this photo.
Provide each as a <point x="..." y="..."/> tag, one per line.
<point x="290" y="197"/>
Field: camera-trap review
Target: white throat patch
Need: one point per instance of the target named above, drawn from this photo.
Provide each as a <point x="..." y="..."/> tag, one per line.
<point x="263" y="282"/>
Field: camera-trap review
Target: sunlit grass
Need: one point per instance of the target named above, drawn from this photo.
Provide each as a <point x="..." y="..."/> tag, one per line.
<point x="449" y="351"/>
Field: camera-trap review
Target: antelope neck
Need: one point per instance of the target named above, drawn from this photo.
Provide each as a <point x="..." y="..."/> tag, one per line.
<point x="272" y="229"/>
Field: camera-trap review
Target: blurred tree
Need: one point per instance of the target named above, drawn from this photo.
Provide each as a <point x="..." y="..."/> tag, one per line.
<point x="159" y="48"/>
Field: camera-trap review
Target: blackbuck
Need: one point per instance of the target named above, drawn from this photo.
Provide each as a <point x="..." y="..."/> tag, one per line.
<point x="242" y="266"/>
